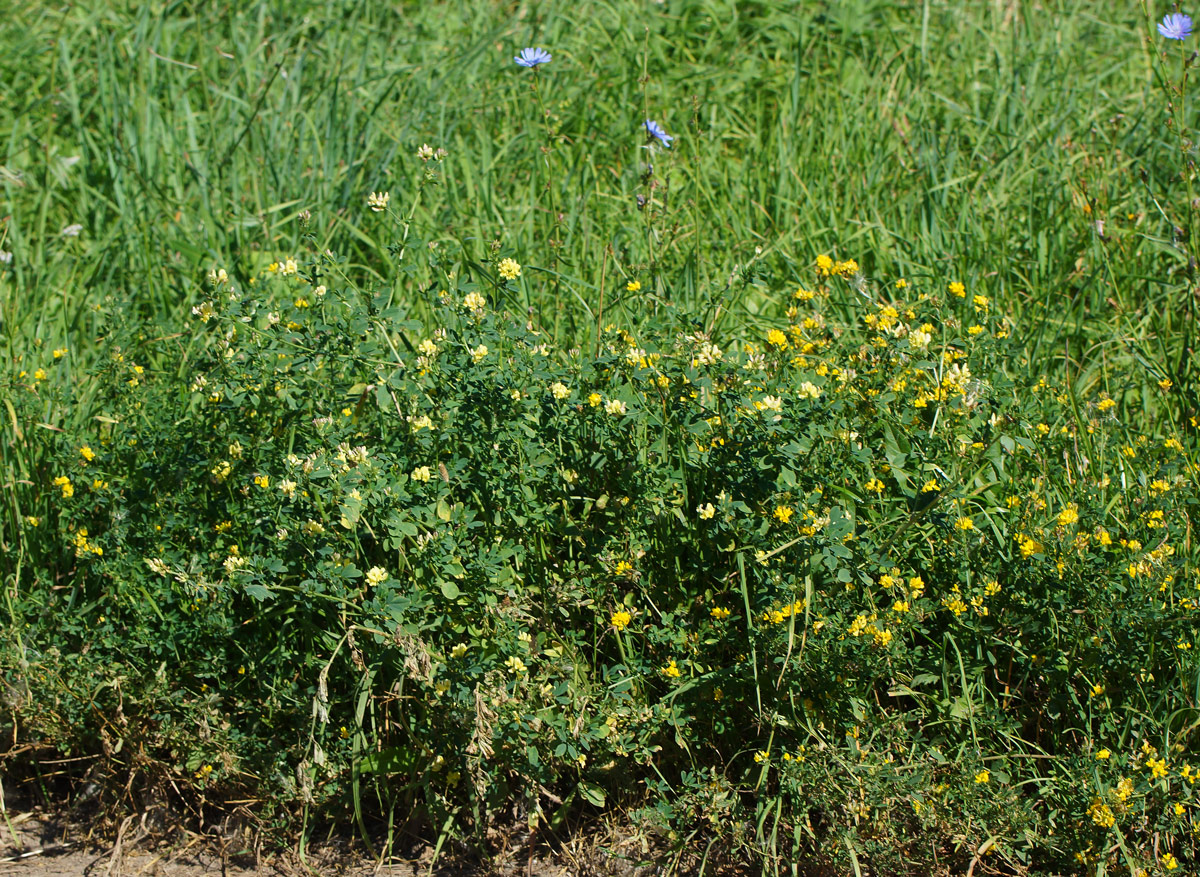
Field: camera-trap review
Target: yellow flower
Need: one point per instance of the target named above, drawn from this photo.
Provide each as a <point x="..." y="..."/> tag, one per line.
<point x="983" y="776"/>
<point x="1165" y="384"/>
<point x="874" y="486"/>
<point x="479" y="353"/>
<point x="510" y="269"/>
<point x="262" y="481"/>
<point x="421" y="473"/>
<point x="87" y="453"/>
<point x="776" y="338"/>
<point x="64" y="483"/>
<point x="474" y="302"/>
<point x="918" y="339"/>
<point x="620" y="619"/>
<point x="1169" y="862"/>
<point x="1068" y="516"/>
<point x="515" y="665"/>
<point x="719" y="613"/>
<point x="900" y="607"/>
<point x="376" y="576"/>
<point x="901" y="283"/>
<point x="595" y="399"/>
<point x="761" y="756"/>
<point x="930" y="486"/>
<point x="458" y="651"/>
<point x="60" y="352"/>
<point x="706" y="511"/>
<point x="559" y="390"/>
<point x="1097" y="690"/>
<point x="824" y="265"/>
<point x="1102" y="814"/>
<point x="783" y="514"/>
<point x="633" y="286"/>
<point x="671" y="670"/>
<point x="1103" y="755"/>
<point x="964" y="524"/>
<point x="957" y="289"/>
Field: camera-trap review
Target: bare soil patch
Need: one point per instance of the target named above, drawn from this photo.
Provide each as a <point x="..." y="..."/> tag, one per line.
<point x="35" y="844"/>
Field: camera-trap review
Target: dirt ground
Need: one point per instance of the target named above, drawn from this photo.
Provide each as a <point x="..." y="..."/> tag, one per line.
<point x="34" y="845"/>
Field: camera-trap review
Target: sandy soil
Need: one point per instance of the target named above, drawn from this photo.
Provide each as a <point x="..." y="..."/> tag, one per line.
<point x="45" y="847"/>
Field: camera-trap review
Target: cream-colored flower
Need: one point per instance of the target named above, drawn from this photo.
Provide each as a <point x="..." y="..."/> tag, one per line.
<point x="510" y="269"/>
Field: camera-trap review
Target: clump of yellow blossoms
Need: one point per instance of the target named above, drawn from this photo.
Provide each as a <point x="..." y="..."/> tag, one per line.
<point x="510" y="269"/>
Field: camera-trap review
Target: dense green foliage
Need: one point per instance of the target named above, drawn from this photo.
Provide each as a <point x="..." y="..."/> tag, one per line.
<point x="571" y="473"/>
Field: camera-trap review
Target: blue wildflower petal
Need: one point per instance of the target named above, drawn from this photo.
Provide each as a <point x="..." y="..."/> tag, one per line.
<point x="656" y="131"/>
<point x="1176" y="26"/>
<point x="531" y="57"/>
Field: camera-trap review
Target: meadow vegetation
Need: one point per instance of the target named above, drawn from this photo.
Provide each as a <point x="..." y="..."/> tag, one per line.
<point x="401" y="438"/>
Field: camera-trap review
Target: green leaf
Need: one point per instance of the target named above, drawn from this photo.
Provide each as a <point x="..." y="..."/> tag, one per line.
<point x="592" y="793"/>
<point x="261" y="593"/>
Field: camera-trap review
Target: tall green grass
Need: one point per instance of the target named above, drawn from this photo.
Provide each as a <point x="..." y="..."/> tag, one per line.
<point x="958" y="141"/>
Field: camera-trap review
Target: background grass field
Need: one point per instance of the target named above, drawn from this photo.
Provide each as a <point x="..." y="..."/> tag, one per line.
<point x="977" y="141"/>
<point x="1032" y="152"/>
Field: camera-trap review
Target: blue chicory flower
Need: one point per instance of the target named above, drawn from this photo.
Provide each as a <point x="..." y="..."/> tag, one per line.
<point x="656" y="131"/>
<point x="1176" y="26"/>
<point x="532" y="57"/>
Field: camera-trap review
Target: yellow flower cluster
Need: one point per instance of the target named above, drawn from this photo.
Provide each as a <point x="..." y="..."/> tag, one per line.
<point x="777" y="616"/>
<point x="827" y="267"/>
<point x="509" y="269"/>
<point x="864" y="625"/>
<point x="83" y="546"/>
